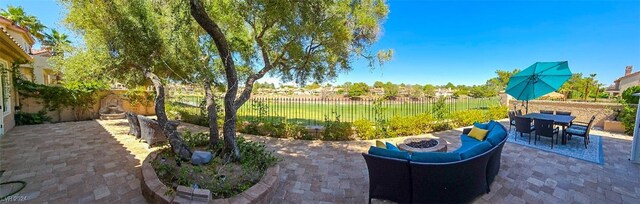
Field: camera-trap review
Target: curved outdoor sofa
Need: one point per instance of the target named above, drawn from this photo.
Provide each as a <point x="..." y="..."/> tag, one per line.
<point x="435" y="177"/>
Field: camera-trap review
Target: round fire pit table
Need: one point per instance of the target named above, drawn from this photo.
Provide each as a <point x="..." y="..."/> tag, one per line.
<point x="424" y="145"/>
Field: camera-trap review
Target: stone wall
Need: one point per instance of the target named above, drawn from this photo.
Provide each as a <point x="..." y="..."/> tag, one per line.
<point x="33" y="105"/>
<point x="582" y="110"/>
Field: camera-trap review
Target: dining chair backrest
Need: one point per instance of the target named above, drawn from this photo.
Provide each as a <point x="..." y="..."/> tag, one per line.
<point x="563" y="113"/>
<point x="519" y="112"/>
<point x="543" y="127"/>
<point x="523" y="124"/>
<point x="590" y="124"/>
<point x="546" y="111"/>
<point x="512" y="116"/>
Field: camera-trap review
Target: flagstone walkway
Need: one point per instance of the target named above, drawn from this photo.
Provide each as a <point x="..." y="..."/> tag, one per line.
<point x="96" y="162"/>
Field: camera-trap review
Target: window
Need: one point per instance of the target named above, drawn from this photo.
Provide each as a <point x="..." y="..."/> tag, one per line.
<point x="6" y="94"/>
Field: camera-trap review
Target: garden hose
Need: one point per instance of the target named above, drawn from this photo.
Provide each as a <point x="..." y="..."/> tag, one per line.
<point x="24" y="184"/>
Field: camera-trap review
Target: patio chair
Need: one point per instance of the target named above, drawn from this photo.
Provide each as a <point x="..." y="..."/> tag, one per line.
<point x="389" y="178"/>
<point x="523" y="125"/>
<point x="134" y="125"/>
<point x="563" y="113"/>
<point x="519" y="112"/>
<point x="545" y="128"/>
<point x="581" y="129"/>
<point x="546" y="111"/>
<point x="150" y="131"/>
<point x="512" y="119"/>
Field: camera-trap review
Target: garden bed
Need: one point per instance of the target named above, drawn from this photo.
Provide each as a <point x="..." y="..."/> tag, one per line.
<point x="155" y="191"/>
<point x="253" y="178"/>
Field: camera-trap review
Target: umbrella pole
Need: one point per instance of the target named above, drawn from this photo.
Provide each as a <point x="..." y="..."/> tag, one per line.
<point x="527" y="108"/>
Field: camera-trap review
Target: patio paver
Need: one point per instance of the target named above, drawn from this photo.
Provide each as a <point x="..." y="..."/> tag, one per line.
<point x="95" y="161"/>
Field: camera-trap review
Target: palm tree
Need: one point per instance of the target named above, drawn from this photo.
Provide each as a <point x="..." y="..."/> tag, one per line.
<point x="20" y="18"/>
<point x="55" y="40"/>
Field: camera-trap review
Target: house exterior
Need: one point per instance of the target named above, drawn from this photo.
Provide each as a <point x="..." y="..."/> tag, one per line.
<point x="39" y="72"/>
<point x="15" y="45"/>
<point x="621" y="84"/>
<point x="443" y="92"/>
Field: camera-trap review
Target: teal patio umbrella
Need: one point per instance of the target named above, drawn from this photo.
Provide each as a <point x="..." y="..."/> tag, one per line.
<point x="537" y="80"/>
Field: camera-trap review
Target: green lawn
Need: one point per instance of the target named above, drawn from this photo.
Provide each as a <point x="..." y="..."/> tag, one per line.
<point x="314" y="111"/>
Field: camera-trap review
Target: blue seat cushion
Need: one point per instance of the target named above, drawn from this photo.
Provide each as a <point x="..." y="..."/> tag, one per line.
<point x="495" y="136"/>
<point x="466" y="140"/>
<point x="492" y="124"/>
<point x="435" y="157"/>
<point x="476" y="150"/>
<point x="391" y="146"/>
<point x="576" y="131"/>
<point x="481" y="125"/>
<point x="389" y="153"/>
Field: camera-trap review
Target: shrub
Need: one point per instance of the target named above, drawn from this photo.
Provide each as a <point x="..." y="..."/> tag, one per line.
<point x="439" y="110"/>
<point x="24" y="118"/>
<point x="364" y="129"/>
<point x="627" y="95"/>
<point x="497" y="112"/>
<point x="195" y="139"/>
<point x="467" y="117"/>
<point x="280" y="129"/>
<point x="410" y="125"/>
<point x="628" y="118"/>
<point x="336" y="130"/>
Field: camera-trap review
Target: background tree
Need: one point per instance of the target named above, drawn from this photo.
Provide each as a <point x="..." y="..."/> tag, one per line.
<point x="22" y="19"/>
<point x="55" y="41"/>
<point x="298" y="41"/>
<point x="391" y="90"/>
<point x="501" y="81"/>
<point x="429" y="90"/>
<point x="450" y="86"/>
<point x="357" y="90"/>
<point x="378" y="84"/>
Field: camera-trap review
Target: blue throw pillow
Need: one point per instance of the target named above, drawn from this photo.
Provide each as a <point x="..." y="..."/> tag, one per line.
<point x="435" y="157"/>
<point x="392" y="147"/>
<point x="495" y="136"/>
<point x="481" y="125"/>
<point x="476" y="150"/>
<point x="389" y="153"/>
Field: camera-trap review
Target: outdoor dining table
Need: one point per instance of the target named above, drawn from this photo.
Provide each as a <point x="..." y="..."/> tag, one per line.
<point x="561" y="120"/>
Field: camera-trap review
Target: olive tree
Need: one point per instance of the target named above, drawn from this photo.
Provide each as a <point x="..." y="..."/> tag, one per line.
<point x="135" y="41"/>
<point x="295" y="40"/>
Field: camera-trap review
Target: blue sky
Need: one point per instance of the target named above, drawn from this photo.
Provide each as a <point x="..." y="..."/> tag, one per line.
<point x="464" y="42"/>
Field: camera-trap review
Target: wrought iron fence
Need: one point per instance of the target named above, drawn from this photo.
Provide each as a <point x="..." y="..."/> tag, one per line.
<point x="314" y="111"/>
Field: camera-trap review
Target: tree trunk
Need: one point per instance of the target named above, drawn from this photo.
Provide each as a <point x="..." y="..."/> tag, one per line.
<point x="229" y="128"/>
<point x="212" y="114"/>
<point x="176" y="142"/>
<point x="586" y="93"/>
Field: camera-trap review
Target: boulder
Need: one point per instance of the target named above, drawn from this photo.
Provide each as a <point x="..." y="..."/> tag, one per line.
<point x="201" y="157"/>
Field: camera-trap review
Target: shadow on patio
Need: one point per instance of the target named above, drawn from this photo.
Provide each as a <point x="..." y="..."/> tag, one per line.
<point x="74" y="162"/>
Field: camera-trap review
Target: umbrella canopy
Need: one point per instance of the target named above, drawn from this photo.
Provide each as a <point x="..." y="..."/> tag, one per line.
<point x="537" y="80"/>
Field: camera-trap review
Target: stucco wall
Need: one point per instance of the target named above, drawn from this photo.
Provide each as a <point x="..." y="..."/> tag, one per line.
<point x="32" y="105"/>
<point x="582" y="110"/>
<point x="625" y="83"/>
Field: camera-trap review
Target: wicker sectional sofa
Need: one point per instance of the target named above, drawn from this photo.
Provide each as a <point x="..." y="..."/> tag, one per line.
<point x="451" y="177"/>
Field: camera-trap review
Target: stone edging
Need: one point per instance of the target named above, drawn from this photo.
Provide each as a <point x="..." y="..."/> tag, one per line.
<point x="154" y="190"/>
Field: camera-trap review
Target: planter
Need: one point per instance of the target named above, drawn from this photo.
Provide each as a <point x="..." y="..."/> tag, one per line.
<point x="613" y="126"/>
<point x="154" y="191"/>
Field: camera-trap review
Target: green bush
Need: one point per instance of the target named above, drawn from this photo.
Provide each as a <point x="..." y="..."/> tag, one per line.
<point x="467" y="117"/>
<point x="364" y="129"/>
<point x="410" y="125"/>
<point x="24" y="118"/>
<point x="439" y="110"/>
<point x="336" y="130"/>
<point x="627" y="95"/>
<point x="497" y="112"/>
<point x="279" y="129"/>
<point x="628" y="118"/>
<point x="195" y="139"/>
